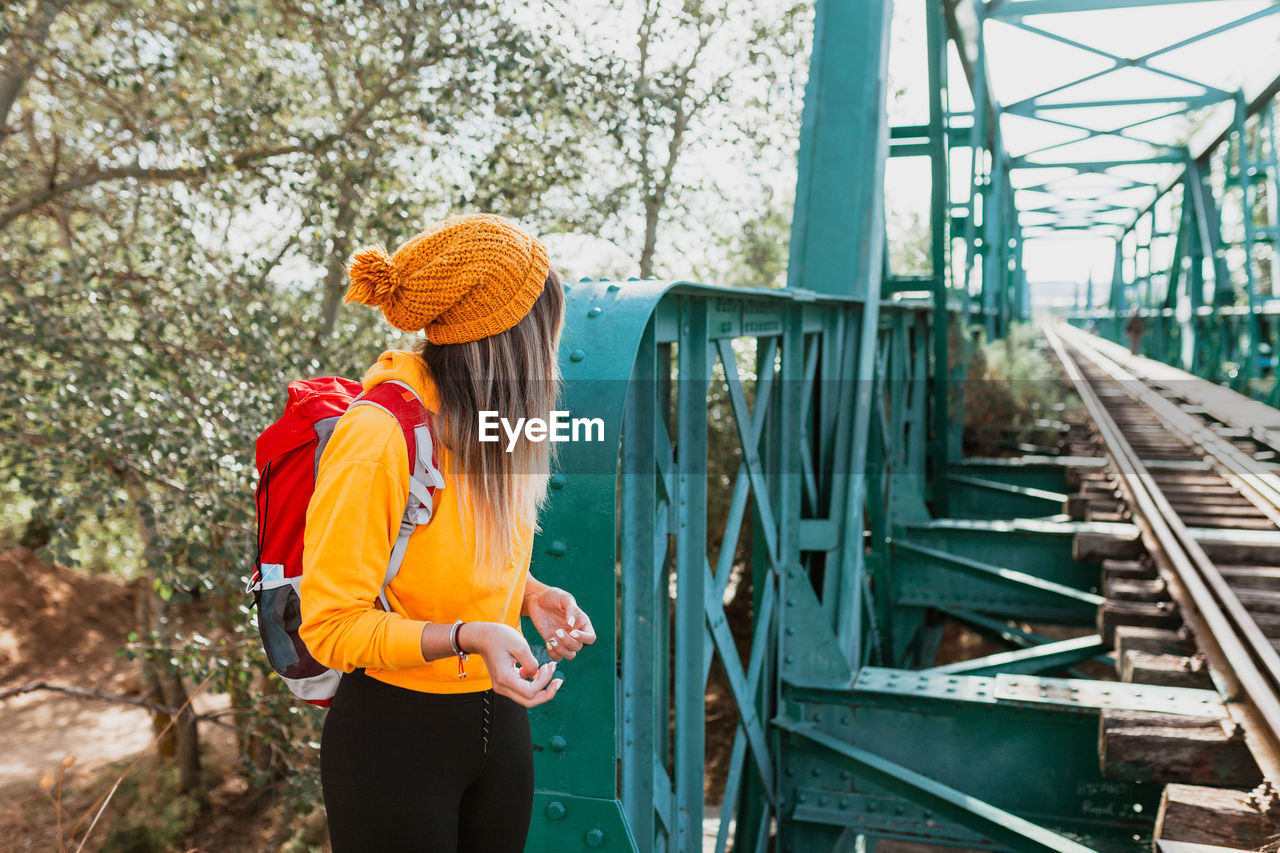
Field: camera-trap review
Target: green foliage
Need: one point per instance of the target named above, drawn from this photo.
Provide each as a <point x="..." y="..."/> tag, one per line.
<point x="1013" y="393"/>
<point x="153" y="815"/>
<point x="183" y="184"/>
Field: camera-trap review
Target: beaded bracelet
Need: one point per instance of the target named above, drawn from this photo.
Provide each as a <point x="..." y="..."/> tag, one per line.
<point x="462" y="656"/>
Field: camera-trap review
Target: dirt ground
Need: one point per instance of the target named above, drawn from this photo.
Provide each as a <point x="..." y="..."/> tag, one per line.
<point x="64" y="627"/>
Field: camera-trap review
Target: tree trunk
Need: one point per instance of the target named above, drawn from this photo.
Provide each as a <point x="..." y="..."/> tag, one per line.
<point x="187" y="728"/>
<point x="21" y="58"/>
<point x="652" y="207"/>
<point x="162" y="680"/>
<point x="152" y="689"/>
<point x="335" y="277"/>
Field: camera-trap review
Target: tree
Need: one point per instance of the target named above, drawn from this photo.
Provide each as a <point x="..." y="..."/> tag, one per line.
<point x="175" y="171"/>
<point x="675" y="95"/>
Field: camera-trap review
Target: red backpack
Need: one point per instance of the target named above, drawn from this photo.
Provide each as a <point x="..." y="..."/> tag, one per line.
<point x="288" y="457"/>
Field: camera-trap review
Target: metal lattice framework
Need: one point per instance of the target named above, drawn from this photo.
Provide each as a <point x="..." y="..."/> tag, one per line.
<point x="1205" y="293"/>
<point x="851" y="516"/>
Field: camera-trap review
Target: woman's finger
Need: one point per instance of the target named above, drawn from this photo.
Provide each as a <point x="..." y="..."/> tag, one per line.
<point x="546" y="694"/>
<point x="581" y="629"/>
<point x="565" y="641"/>
<point x="524" y="691"/>
<point x="523" y="655"/>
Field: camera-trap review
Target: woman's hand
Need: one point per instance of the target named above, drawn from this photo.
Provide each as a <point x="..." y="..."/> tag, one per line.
<point x="510" y="662"/>
<point x="561" y="622"/>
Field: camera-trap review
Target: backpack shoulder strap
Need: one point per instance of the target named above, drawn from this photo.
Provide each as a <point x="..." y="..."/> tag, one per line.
<point x="400" y="401"/>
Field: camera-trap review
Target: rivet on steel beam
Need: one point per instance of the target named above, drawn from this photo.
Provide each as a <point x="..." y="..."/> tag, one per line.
<point x="844" y="804"/>
<point x="822" y="801"/>
<point x="791" y="602"/>
<point x="801" y="797"/>
<point x="595" y="311"/>
<point x="585" y="278"/>
<point x="558" y="744"/>
<point x="791" y="771"/>
<point x="557" y="481"/>
<point x="871" y="806"/>
<point x="577" y="355"/>
<point x="845" y="719"/>
<point x="791" y="659"/>
<point x="602" y="278"/>
<point x="845" y="775"/>
<point x="555" y="810"/>
<point x="899" y="811"/>
<point x="595" y="838"/>
<point x="790" y="631"/>
<point x="817" y="718"/>
<point x="613" y="288"/>
<point x="817" y="771"/>
<point x="633" y="278"/>
<point x="557" y="548"/>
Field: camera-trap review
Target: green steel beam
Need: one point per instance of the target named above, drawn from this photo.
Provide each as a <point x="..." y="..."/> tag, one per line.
<point x="1098" y="165"/>
<point x="1032" y="107"/>
<point x="982" y="817"/>
<point x="843" y="146"/>
<point x="1002" y="575"/>
<point x="1019" y="8"/>
<point x="1037" y="659"/>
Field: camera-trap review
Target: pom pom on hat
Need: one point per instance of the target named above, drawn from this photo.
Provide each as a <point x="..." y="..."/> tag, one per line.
<point x="373" y="277"/>
<point x="463" y="279"/>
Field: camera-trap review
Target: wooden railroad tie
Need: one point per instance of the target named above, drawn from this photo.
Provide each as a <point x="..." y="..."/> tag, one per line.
<point x="1150" y="747"/>
<point x="1234" y="819"/>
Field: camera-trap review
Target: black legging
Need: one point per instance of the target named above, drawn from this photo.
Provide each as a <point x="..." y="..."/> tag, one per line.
<point x="425" y="772"/>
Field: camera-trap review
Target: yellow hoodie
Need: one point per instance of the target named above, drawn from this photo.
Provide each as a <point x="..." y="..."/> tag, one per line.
<point x="362" y="486"/>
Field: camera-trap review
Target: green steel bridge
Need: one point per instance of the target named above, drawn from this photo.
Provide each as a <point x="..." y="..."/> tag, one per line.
<point x="865" y="532"/>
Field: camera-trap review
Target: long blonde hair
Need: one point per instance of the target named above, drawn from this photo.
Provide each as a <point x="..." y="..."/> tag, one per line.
<point x="516" y="374"/>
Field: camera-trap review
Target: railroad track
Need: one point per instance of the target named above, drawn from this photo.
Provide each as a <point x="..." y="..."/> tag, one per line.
<point x="1190" y="484"/>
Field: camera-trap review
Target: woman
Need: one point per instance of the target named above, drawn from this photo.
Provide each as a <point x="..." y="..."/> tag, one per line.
<point x="414" y="755"/>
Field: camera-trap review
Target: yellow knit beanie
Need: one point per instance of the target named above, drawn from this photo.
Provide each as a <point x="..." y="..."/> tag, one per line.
<point x="467" y="278"/>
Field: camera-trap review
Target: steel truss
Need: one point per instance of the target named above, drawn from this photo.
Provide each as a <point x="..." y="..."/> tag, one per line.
<point x="851" y="517"/>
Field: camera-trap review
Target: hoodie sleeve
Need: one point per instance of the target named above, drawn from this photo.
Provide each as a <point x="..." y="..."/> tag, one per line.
<point x="360" y="496"/>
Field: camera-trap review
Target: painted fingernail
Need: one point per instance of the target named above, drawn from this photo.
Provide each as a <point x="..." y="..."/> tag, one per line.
<point x="575" y="634"/>
<point x="560" y="633"/>
<point x="572" y="619"/>
<point x="552" y="643"/>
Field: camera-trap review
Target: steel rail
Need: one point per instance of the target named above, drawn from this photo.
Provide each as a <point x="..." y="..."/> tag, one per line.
<point x="1259" y="483"/>
<point x="1239" y="654"/>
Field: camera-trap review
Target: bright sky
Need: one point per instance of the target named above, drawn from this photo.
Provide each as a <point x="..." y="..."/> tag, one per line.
<point x="1024" y="64"/>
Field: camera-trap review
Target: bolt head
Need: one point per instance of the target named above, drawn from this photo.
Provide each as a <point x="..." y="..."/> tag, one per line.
<point x="557" y="744"/>
<point x="595" y="838"/>
<point x="555" y="810"/>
